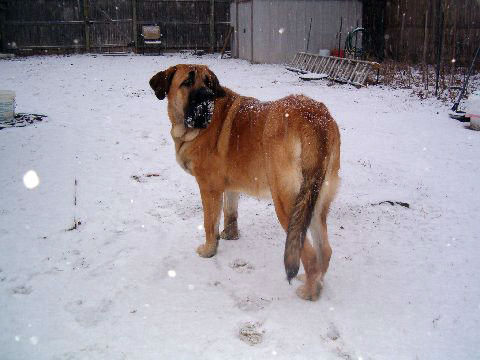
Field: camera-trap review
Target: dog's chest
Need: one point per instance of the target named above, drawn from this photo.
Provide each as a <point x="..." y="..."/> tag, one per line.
<point x="182" y="159"/>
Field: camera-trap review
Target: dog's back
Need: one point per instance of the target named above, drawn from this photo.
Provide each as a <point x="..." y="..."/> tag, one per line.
<point x="289" y="149"/>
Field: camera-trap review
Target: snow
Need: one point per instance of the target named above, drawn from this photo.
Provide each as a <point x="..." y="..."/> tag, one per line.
<point x="403" y="282"/>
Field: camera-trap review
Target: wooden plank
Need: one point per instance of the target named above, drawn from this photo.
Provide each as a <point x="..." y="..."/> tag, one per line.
<point x="87" y="25"/>
<point x="212" y="26"/>
<point x="226" y="41"/>
<point x="134" y="24"/>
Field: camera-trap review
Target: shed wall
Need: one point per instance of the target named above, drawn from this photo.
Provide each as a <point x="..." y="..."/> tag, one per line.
<point x="281" y="28"/>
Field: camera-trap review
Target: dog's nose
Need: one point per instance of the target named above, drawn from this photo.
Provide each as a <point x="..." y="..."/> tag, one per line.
<point x="206" y="93"/>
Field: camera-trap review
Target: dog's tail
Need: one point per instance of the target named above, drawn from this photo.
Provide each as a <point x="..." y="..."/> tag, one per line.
<point x="300" y="218"/>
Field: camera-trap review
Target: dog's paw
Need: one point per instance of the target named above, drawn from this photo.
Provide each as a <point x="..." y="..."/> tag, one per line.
<point x="206" y="251"/>
<point x="301" y="277"/>
<point x="310" y="293"/>
<point x="230" y="232"/>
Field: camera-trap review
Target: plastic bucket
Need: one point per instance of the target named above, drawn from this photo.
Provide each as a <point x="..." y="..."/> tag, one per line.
<point x="7" y="105"/>
<point x="472" y="110"/>
<point x="475" y="122"/>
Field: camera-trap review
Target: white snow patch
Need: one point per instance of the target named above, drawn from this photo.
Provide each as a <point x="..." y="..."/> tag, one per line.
<point x="394" y="289"/>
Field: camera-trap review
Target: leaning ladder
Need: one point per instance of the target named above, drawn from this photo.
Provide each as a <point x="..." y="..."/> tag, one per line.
<point x="343" y="70"/>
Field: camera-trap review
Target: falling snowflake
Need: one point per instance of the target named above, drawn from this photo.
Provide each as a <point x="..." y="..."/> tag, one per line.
<point x="31" y="180"/>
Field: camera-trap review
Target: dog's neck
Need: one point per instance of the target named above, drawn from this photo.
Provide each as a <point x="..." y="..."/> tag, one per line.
<point x="179" y="132"/>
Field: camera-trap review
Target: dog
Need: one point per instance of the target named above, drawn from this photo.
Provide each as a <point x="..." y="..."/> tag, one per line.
<point x="287" y="149"/>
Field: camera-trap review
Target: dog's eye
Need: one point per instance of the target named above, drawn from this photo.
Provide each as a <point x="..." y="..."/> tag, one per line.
<point x="188" y="82"/>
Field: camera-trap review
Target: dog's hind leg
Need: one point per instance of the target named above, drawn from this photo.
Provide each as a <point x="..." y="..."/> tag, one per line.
<point x="285" y="190"/>
<point x="318" y="226"/>
<point x="310" y="290"/>
<point x="212" y="206"/>
<point x="318" y="229"/>
<point x="230" y="215"/>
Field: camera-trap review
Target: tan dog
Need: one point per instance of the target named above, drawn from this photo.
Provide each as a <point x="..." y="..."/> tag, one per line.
<point x="288" y="149"/>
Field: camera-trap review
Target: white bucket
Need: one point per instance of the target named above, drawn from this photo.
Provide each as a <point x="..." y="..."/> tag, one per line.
<point x="472" y="110"/>
<point x="7" y="105"/>
<point x="324" y="52"/>
<point x="475" y="122"/>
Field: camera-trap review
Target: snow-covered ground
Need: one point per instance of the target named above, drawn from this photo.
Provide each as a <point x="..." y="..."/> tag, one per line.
<point x="403" y="282"/>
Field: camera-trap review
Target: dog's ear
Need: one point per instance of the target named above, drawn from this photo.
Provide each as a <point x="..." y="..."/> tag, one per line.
<point x="160" y="83"/>
<point x="217" y="88"/>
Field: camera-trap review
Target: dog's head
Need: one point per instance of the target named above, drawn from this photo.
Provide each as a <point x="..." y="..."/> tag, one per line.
<point x="191" y="90"/>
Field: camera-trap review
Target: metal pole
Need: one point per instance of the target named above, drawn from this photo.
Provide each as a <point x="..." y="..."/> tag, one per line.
<point x="356" y="39"/>
<point x="212" y="26"/>
<point x="309" y="30"/>
<point x="465" y="83"/>
<point x="340" y="38"/>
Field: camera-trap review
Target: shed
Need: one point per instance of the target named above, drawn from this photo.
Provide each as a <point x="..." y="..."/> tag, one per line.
<point x="273" y="31"/>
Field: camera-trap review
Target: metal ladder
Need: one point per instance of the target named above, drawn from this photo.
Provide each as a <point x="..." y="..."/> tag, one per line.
<point x="343" y="70"/>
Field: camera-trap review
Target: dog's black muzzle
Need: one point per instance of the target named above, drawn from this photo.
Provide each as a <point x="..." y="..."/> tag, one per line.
<point x="199" y="111"/>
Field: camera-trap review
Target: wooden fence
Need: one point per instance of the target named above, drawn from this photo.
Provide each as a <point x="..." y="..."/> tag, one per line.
<point x="411" y="30"/>
<point x="105" y="25"/>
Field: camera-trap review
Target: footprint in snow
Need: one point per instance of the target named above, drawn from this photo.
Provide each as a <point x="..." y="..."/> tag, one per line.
<point x="251" y="303"/>
<point x="89" y="315"/>
<point x="22" y="290"/>
<point x="332" y="332"/>
<point x="251" y="333"/>
<point x="246" y="301"/>
<point x="241" y="266"/>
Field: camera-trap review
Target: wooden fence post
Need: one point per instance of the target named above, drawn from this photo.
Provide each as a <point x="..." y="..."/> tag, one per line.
<point x="87" y="25"/>
<point x="212" y="26"/>
<point x="440" y="23"/>
<point x="134" y="23"/>
<point x="3" y="8"/>
<point x="425" y="40"/>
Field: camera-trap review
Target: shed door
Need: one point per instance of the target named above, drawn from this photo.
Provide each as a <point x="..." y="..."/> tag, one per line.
<point x="245" y="30"/>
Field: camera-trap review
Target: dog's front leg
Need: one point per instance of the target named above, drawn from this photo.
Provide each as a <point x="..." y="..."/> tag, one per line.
<point x="212" y="206"/>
